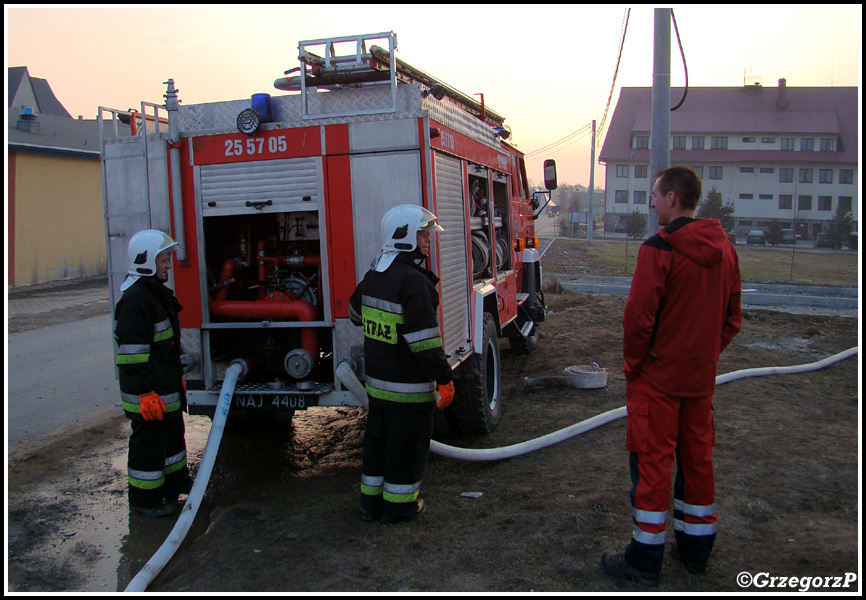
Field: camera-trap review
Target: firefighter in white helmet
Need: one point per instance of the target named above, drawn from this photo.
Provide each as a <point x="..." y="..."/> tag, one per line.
<point x="151" y="377"/>
<point x="397" y="303"/>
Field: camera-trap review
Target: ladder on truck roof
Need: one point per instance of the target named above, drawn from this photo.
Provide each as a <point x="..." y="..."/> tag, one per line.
<point x="336" y="70"/>
<point x="360" y="67"/>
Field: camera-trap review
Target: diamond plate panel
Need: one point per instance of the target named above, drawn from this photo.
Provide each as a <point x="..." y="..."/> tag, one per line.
<point x="221" y="117"/>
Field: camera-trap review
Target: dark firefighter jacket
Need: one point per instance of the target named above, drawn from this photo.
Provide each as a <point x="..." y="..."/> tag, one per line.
<point x="403" y="355"/>
<point x="148" y="353"/>
<point x="683" y="307"/>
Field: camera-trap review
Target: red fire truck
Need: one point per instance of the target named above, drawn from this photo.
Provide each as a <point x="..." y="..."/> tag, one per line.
<point x="276" y="203"/>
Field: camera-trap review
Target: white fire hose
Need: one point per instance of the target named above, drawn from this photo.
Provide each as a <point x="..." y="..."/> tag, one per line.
<point x="140" y="582"/>
<point x="347" y="377"/>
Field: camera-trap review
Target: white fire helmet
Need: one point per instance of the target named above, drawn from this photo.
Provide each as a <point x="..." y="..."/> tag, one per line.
<point x="143" y="249"/>
<point x="399" y="228"/>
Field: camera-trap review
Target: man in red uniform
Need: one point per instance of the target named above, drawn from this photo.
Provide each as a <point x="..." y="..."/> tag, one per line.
<point x="682" y="311"/>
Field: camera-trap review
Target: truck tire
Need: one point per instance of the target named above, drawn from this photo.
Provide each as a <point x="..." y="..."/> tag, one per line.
<point x="477" y="404"/>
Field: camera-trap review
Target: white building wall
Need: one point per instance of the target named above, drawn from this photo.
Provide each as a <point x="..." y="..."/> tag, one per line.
<point x="765" y="188"/>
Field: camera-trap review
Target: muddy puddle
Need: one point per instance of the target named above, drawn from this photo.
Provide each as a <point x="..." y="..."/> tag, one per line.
<point x="70" y="529"/>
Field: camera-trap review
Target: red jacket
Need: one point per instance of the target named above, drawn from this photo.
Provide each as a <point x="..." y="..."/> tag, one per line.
<point x="683" y="308"/>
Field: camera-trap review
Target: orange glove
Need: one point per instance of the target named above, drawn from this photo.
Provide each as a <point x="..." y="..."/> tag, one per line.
<point x="446" y="395"/>
<point x="152" y="406"/>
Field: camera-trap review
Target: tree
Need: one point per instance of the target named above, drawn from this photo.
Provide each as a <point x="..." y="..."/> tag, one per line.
<point x="636" y="223"/>
<point x="839" y="227"/>
<point x="714" y="208"/>
<point x="774" y="233"/>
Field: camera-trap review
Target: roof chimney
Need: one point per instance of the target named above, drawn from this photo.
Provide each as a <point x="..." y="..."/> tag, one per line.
<point x="28" y="120"/>
<point x="782" y="102"/>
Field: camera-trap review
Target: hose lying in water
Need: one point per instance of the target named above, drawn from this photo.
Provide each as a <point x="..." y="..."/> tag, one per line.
<point x="140" y="582"/>
<point x="347" y="376"/>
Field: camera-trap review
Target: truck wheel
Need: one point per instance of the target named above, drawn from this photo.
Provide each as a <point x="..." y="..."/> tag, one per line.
<point x="477" y="404"/>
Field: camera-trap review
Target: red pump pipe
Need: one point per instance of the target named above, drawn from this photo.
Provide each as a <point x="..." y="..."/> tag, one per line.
<point x="276" y="306"/>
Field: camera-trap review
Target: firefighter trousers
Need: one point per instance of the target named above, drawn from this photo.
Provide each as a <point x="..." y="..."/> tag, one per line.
<point x="660" y="430"/>
<point x="396" y="443"/>
<point x="156" y="464"/>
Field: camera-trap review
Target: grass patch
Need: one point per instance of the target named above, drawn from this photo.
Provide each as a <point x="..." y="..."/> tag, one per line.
<point x="779" y="264"/>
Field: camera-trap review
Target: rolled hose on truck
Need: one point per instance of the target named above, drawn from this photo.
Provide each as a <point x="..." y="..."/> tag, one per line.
<point x="347" y="377"/>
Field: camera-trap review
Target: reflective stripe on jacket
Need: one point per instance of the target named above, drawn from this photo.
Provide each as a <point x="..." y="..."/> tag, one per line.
<point x="404" y="360"/>
<point x="148" y="347"/>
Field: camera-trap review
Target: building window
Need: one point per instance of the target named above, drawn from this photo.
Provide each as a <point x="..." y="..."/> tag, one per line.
<point x="805" y="175"/>
<point x="825" y="175"/>
<point x="748" y="140"/>
<point x="715" y="172"/>
<point x="825" y="203"/>
<point x="622" y="170"/>
<point x="787" y="143"/>
<point x="719" y="142"/>
<point x="747" y="169"/>
<point x="768" y="170"/>
<point x="807" y="144"/>
<point x="786" y="175"/>
<point x="828" y="144"/>
<point x="765" y="196"/>
<point x="641" y="141"/>
<point x="747" y="196"/>
<point x="804" y="202"/>
<point x="640" y="171"/>
<point x="699" y="171"/>
<point x="697" y="142"/>
<point x="768" y="140"/>
<point x="846" y="175"/>
<point x="621" y="197"/>
<point x="786" y="201"/>
<point x="640" y="197"/>
<point x="679" y="142"/>
<point x="845" y="203"/>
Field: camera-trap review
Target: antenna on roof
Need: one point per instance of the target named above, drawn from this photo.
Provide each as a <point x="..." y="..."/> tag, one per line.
<point x="750" y="80"/>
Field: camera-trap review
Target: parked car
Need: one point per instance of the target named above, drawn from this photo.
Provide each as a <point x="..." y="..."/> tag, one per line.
<point x="823" y="241"/>
<point x="788" y="237"/>
<point x="757" y="237"/>
<point x="732" y="237"/>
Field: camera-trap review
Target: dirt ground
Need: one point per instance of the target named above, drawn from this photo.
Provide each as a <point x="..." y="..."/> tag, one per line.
<point x="281" y="510"/>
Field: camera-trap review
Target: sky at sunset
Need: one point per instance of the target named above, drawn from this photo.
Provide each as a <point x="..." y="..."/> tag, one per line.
<point x="547" y="68"/>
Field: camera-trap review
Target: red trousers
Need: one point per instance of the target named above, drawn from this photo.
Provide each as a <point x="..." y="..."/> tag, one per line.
<point x="660" y="430"/>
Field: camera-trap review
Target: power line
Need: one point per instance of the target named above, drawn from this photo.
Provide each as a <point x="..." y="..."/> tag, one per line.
<point x="616" y="71"/>
<point x="572" y="137"/>
<point x="561" y="141"/>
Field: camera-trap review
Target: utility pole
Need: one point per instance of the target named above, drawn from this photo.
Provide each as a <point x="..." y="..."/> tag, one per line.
<point x="590" y="220"/>
<point x="660" y="150"/>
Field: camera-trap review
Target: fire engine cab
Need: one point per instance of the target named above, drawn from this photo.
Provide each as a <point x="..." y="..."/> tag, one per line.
<point x="276" y="203"/>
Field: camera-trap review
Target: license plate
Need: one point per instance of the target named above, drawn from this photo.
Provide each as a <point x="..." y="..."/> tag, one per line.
<point x="273" y="401"/>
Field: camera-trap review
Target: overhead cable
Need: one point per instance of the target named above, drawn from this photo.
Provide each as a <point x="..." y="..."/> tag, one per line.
<point x="685" y="67"/>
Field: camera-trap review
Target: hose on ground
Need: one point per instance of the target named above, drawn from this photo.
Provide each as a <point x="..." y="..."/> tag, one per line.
<point x="347" y="376"/>
<point x="147" y="574"/>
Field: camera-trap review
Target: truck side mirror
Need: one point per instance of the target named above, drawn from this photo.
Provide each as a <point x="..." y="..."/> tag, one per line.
<point x="550" y="174"/>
